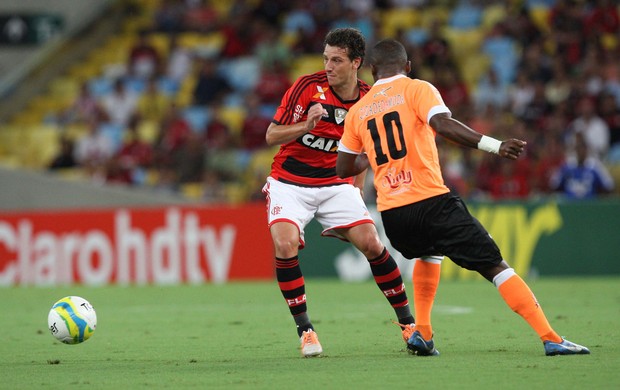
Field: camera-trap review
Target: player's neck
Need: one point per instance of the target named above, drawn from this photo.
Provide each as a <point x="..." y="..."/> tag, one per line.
<point x="348" y="91"/>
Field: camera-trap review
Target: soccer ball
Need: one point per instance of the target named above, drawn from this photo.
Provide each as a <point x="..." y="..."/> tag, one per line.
<point x="72" y="320"/>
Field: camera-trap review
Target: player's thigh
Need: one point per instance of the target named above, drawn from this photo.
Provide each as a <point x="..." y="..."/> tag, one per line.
<point x="341" y="207"/>
<point x="406" y="232"/>
<point x="461" y="237"/>
<point x="288" y="204"/>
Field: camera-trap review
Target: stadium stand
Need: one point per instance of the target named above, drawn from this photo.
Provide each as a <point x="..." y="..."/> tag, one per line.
<point x="477" y="36"/>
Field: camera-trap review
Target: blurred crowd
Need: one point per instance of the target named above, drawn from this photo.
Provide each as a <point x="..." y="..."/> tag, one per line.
<point x="554" y="84"/>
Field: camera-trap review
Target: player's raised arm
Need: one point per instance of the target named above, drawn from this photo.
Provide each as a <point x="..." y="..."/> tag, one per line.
<point x="281" y="134"/>
<point x="458" y="132"/>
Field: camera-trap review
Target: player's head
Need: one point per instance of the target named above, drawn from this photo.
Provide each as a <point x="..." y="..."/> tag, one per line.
<point x="350" y="39"/>
<point x="343" y="55"/>
<point x="388" y="58"/>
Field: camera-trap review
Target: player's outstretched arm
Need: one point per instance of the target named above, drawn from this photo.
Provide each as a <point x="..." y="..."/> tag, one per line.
<point x="281" y="134"/>
<point x="461" y="134"/>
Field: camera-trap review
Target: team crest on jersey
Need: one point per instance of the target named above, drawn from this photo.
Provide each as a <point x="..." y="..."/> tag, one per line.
<point x="320" y="94"/>
<point x="340" y="113"/>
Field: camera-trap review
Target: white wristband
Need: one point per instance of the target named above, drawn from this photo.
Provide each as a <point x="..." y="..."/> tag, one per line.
<point x="489" y="144"/>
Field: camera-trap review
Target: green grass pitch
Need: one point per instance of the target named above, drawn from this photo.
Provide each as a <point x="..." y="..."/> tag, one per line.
<point x="240" y="335"/>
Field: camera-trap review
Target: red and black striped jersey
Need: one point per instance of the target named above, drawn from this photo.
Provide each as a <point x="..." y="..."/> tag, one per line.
<point x="310" y="160"/>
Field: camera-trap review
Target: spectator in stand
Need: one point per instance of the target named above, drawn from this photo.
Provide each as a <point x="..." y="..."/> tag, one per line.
<point x="211" y="86"/>
<point x="603" y="18"/>
<point x="84" y="107"/>
<point x="115" y="172"/>
<point x="144" y="59"/>
<point x="558" y="89"/>
<point x="299" y="19"/>
<point x="189" y="161"/>
<point x="200" y="16"/>
<point x="270" y="49"/>
<point x="549" y="159"/>
<point x="357" y="14"/>
<point x="592" y="127"/>
<point x="535" y="63"/>
<point x="214" y="189"/>
<point x="152" y="104"/>
<point x="582" y="176"/>
<point x="121" y="105"/>
<point x="610" y="113"/>
<point x="238" y="36"/>
<point x="566" y="18"/>
<point x="93" y="150"/>
<point x="538" y="108"/>
<point x="272" y="84"/>
<point x="509" y="182"/>
<point x="490" y="92"/>
<point x="436" y="49"/>
<point x="173" y="133"/>
<point x="135" y="156"/>
<point x="169" y="16"/>
<point x="64" y="158"/>
<point x="179" y="61"/>
<point x="453" y="90"/>
<point x="217" y="133"/>
<point x="520" y="94"/>
<point x="224" y="158"/>
<point x="520" y="26"/>
<point x="254" y="125"/>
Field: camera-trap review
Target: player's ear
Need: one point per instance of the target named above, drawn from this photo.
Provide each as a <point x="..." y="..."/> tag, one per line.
<point x="408" y="67"/>
<point x="357" y="62"/>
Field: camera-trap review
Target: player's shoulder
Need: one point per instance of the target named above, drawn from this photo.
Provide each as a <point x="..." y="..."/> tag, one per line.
<point x="312" y="78"/>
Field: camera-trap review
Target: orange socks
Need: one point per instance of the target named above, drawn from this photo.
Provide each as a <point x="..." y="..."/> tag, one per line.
<point x="522" y="301"/>
<point x="426" y="274"/>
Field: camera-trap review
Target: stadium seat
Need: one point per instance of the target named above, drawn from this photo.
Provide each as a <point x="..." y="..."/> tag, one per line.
<point x="465" y="16"/>
<point x="197" y="117"/>
<point x="233" y="117"/>
<point x="305" y="64"/>
<point x="241" y="73"/>
<point x="492" y="14"/>
<point x="463" y="43"/>
<point x="44" y="146"/>
<point x="540" y="17"/>
<point x="473" y="68"/>
<point x="434" y="13"/>
<point x="396" y="19"/>
<point x="148" y="131"/>
<point x="193" y="191"/>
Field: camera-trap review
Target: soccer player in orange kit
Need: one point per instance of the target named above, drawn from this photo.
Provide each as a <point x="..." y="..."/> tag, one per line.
<point x="392" y="129"/>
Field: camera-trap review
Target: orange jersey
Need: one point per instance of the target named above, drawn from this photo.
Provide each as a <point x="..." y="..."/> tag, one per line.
<point x="390" y="124"/>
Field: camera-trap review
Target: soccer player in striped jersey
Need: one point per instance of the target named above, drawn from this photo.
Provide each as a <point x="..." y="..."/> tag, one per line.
<point x="392" y="129"/>
<point x="303" y="183"/>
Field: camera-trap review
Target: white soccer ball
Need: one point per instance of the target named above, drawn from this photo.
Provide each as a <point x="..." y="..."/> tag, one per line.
<point x="72" y="320"/>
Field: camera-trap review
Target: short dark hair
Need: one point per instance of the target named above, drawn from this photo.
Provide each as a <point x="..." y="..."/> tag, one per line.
<point x="350" y="39"/>
<point x="388" y="53"/>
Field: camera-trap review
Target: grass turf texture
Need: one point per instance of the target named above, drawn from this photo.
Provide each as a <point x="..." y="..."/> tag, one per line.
<point x="240" y="335"/>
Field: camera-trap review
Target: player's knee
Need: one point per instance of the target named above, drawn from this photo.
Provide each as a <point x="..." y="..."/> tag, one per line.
<point x="285" y="246"/>
<point x="372" y="247"/>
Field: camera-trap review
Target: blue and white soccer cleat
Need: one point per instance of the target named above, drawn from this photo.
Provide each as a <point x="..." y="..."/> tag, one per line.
<point x="564" y="348"/>
<point x="418" y="346"/>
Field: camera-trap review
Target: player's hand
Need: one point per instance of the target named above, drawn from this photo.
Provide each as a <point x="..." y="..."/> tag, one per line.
<point x="512" y="148"/>
<point x="315" y="113"/>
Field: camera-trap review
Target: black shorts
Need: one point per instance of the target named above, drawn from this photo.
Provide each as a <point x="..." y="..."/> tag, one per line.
<point x="440" y="225"/>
